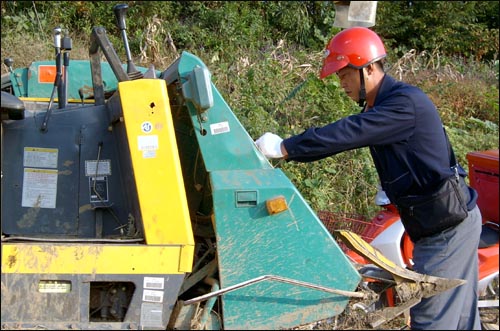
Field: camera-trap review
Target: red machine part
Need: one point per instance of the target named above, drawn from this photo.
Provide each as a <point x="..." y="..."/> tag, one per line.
<point x="483" y="176"/>
<point x="367" y="229"/>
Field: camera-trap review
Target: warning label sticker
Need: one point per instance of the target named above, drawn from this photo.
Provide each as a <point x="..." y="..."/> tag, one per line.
<point x="40" y="157"/>
<point x="39" y="188"/>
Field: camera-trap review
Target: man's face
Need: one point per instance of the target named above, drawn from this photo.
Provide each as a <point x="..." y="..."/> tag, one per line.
<point x="349" y="81"/>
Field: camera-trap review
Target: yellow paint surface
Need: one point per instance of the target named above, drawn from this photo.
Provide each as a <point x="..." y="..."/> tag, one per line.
<point x="53" y="258"/>
<point x="156" y="164"/>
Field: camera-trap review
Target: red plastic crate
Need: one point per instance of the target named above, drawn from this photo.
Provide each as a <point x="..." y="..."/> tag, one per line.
<point x="352" y="222"/>
<point x="483" y="176"/>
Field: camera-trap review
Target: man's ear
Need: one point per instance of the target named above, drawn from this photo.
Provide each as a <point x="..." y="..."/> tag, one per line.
<point x="370" y="68"/>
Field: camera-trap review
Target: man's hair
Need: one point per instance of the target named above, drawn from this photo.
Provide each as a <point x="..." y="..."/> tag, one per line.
<point x="380" y="64"/>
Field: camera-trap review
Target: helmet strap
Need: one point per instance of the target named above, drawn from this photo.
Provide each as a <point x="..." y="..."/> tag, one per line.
<point x="362" y="90"/>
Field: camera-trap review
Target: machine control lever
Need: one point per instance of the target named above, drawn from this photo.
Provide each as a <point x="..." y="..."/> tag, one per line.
<point x="120" y="11"/>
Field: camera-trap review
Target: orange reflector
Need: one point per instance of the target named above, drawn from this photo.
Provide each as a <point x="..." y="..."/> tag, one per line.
<point x="276" y="205"/>
<point x="47" y="73"/>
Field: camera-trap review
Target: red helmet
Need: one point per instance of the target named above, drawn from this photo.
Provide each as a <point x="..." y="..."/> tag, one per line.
<point x="356" y="47"/>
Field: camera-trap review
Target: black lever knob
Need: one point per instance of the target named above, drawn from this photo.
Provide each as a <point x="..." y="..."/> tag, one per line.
<point x="120" y="12"/>
<point x="8" y="62"/>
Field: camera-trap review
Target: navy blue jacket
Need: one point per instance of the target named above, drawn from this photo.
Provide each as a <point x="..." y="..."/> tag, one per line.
<point x="404" y="133"/>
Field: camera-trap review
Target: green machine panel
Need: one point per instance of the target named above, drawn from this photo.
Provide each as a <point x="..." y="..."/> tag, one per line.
<point x="293" y="244"/>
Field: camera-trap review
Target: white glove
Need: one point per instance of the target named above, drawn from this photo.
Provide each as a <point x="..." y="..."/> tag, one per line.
<point x="381" y="198"/>
<point x="270" y="145"/>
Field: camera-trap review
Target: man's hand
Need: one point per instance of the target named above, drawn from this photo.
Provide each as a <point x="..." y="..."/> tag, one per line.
<point x="270" y="145"/>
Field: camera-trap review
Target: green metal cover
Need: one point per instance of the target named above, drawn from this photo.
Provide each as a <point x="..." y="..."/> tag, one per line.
<point x="26" y="81"/>
<point x="292" y="244"/>
<point x="251" y="243"/>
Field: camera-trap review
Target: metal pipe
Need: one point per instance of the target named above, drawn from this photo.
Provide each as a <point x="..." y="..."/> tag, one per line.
<point x="276" y="278"/>
<point x="66" y="48"/>
<point x="57" y="80"/>
<point x="58" y="83"/>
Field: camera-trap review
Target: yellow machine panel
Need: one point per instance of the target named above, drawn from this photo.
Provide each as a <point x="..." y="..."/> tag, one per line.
<point x="156" y="165"/>
<point x="93" y="259"/>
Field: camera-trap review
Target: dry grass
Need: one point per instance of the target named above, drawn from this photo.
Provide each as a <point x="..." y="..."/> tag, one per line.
<point x="459" y="89"/>
<point x="30" y="48"/>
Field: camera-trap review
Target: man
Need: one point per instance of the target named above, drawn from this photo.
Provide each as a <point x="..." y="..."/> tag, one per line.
<point x="408" y="145"/>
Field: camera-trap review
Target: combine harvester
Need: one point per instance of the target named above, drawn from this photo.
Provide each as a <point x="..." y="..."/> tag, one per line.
<point x="140" y="202"/>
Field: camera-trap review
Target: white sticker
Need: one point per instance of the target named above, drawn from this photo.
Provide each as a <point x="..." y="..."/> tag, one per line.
<point x="40" y="157"/>
<point x="156" y="283"/>
<point x="146" y="127"/>
<point x="147" y="143"/>
<point x="39" y="188"/>
<point x="94" y="168"/>
<point x="148" y="154"/>
<point x="151" y="315"/>
<point x="54" y="286"/>
<point x="152" y="296"/>
<point x="218" y="128"/>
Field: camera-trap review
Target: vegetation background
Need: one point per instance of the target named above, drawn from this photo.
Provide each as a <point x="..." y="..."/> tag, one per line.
<point x="265" y="56"/>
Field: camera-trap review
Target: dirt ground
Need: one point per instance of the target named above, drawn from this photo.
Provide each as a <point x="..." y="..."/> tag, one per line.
<point x="356" y="319"/>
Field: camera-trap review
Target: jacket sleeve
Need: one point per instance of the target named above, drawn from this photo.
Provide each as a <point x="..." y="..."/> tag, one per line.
<point x="389" y="122"/>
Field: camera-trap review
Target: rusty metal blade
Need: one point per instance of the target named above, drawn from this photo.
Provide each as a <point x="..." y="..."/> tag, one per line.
<point x="427" y="285"/>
